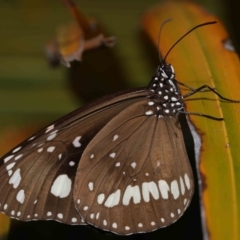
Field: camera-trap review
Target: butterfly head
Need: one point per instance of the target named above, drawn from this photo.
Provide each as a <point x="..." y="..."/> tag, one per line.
<point x="166" y="71"/>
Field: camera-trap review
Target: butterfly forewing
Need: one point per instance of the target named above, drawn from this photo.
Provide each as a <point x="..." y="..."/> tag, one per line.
<point x="134" y="175"/>
<point x="37" y="177"/>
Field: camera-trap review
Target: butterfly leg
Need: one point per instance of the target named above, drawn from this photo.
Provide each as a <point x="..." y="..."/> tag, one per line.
<point x="192" y="89"/>
<point x="185" y="85"/>
<point x="210" y="89"/>
<point x="201" y="114"/>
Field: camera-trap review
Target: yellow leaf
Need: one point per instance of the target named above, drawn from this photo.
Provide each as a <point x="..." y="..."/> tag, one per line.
<point x="203" y="58"/>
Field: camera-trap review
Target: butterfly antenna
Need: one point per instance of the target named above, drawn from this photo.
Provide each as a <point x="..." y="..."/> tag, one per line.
<point x="200" y="25"/>
<point x="159" y="34"/>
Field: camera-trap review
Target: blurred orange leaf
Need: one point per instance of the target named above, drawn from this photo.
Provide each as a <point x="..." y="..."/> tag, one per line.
<point x="73" y="39"/>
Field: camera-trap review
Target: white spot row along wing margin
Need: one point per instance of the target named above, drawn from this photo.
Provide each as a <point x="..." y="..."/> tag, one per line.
<point x="144" y="193"/>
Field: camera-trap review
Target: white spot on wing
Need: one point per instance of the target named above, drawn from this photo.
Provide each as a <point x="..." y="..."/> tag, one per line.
<point x="147" y="188"/>
<point x="174" y="189"/>
<point x="49" y="128"/>
<point x="92" y="156"/>
<point x="115" y="137"/>
<point x="76" y="142"/>
<point x="148" y="113"/>
<point x="20" y="196"/>
<point x="187" y="181"/>
<point x="74" y="220"/>
<point x="5" y="206"/>
<point x="31" y="138"/>
<point x="61" y="186"/>
<point x="52" y="135"/>
<point x="114" y="225"/>
<point x="51" y="149"/>
<point x="112" y="155"/>
<point x="85" y="208"/>
<point x="127" y="228"/>
<point x="131" y="192"/>
<point x="172" y="215"/>
<point x="140" y="225"/>
<point x="18" y="157"/>
<point x="90" y="186"/>
<point x="104" y="222"/>
<point x="162" y="220"/>
<point x="113" y="199"/>
<point x="15" y="178"/>
<point x="6" y="159"/>
<point x="101" y="198"/>
<point x="117" y="164"/>
<point x="10" y="166"/>
<point x="164" y="188"/>
<point x="133" y="165"/>
<point x="60" y="215"/>
<point x="49" y="214"/>
<point x="182" y="186"/>
<point x="153" y="223"/>
<point x="16" y="149"/>
<point x="40" y="150"/>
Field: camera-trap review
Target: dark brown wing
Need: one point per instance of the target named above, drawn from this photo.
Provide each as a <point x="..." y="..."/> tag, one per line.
<point x="37" y="177"/>
<point x="134" y="175"/>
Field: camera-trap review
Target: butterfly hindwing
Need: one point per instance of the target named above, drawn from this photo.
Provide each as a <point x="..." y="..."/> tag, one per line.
<point x="37" y="177"/>
<point x="129" y="179"/>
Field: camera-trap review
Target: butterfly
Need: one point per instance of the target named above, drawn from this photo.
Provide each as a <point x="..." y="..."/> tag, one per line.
<point x="119" y="163"/>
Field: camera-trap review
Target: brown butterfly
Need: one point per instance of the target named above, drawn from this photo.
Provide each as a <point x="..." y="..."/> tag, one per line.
<point x="119" y="163"/>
